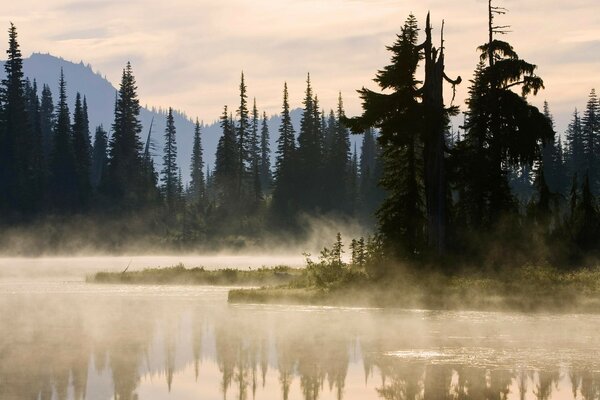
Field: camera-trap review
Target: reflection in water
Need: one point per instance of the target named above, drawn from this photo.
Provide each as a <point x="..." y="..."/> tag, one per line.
<point x="97" y="342"/>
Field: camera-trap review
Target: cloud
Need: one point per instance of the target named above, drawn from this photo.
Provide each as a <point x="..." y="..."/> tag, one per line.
<point x="189" y="53"/>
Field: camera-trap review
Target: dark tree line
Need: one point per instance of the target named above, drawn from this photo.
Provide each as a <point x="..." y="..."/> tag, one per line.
<point x="50" y="165"/>
<point x="506" y="180"/>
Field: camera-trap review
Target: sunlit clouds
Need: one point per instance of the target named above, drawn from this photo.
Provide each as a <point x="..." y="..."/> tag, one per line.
<point x="188" y="54"/>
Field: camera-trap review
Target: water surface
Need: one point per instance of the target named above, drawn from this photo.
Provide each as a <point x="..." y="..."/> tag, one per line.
<point x="61" y="338"/>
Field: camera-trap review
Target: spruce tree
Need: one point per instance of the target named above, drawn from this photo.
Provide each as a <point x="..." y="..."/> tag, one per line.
<point x="125" y="182"/>
<point x="337" y="168"/>
<point x="575" y="155"/>
<point x="46" y="122"/>
<point x="265" y="156"/>
<point x="99" y="156"/>
<point x="255" y="155"/>
<point x="227" y="164"/>
<point x="284" y="191"/>
<point x="502" y="130"/>
<point x="243" y="141"/>
<point x="309" y="155"/>
<point x="197" y="183"/>
<point x="591" y="141"/>
<point x="63" y="172"/>
<point x="16" y="136"/>
<point x="397" y="115"/>
<point x="169" y="177"/>
<point x="81" y="151"/>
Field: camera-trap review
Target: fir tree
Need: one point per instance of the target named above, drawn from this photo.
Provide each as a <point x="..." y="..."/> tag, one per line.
<point x="243" y="140"/>
<point x="99" y="156"/>
<point x="397" y="115"/>
<point x="81" y="150"/>
<point x="502" y="131"/>
<point x="197" y="183"/>
<point x="63" y="173"/>
<point x="125" y="180"/>
<point x="255" y="155"/>
<point x="46" y="121"/>
<point x="265" y="156"/>
<point x="284" y="192"/>
<point x="16" y="135"/>
<point x="338" y="164"/>
<point x="169" y="178"/>
<point x="309" y="155"/>
<point x="591" y="141"/>
<point x="227" y="164"/>
<point x="575" y="155"/>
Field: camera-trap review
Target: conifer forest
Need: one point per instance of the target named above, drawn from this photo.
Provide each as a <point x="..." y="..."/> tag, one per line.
<point x="429" y="189"/>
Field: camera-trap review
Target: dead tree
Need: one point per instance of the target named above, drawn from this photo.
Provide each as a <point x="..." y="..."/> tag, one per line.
<point x="435" y="123"/>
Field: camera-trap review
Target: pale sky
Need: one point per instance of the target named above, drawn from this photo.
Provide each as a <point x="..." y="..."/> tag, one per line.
<point x="188" y="54"/>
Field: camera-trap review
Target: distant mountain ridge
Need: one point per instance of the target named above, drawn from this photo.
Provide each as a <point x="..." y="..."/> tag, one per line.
<point x="100" y="95"/>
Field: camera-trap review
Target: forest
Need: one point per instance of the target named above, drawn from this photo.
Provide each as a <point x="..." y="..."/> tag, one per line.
<point x="503" y="190"/>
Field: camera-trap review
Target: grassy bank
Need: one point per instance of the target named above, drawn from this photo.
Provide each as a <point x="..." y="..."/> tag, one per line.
<point x="180" y="275"/>
<point x="525" y="289"/>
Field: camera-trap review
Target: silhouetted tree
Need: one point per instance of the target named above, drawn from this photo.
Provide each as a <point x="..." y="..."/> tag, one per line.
<point x="197" y="183"/>
<point x="169" y="178"/>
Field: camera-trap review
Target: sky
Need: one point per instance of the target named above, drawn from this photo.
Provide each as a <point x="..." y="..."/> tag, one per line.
<point x="188" y="54"/>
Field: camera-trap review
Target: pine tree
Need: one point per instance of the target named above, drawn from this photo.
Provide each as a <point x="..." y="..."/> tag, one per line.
<point x="125" y="181"/>
<point x="550" y="164"/>
<point x="99" y="156"/>
<point x="63" y="172"/>
<point x="35" y="166"/>
<point x="309" y="155"/>
<point x="575" y="155"/>
<point x="227" y="164"/>
<point x="255" y="155"/>
<point x="197" y="183"/>
<point x="243" y="141"/>
<point x="284" y="192"/>
<point x="591" y="141"/>
<point x="46" y="121"/>
<point x="169" y="172"/>
<point x="502" y="131"/>
<point x="16" y="135"/>
<point x="337" y="166"/>
<point x="265" y="156"/>
<point x="397" y="115"/>
<point x="370" y="195"/>
<point x="81" y="151"/>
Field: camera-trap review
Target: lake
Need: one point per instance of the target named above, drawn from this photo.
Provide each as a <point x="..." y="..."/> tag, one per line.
<point x="61" y="338"/>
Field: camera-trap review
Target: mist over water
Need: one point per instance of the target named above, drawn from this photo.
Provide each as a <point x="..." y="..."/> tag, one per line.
<point x="61" y="338"/>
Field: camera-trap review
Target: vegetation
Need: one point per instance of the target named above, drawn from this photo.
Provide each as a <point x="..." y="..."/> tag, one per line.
<point x="180" y="275"/>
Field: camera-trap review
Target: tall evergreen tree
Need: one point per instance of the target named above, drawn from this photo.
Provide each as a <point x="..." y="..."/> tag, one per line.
<point x="227" y="164"/>
<point x="169" y="177"/>
<point x="243" y="140"/>
<point x="502" y="130"/>
<point x="99" y="156"/>
<point x="397" y="115"/>
<point x="255" y="155"/>
<point x="284" y="192"/>
<point x="265" y="156"/>
<point x="81" y="151"/>
<point x="309" y="155"/>
<point x="197" y="183"/>
<point x="591" y="141"/>
<point x="124" y="179"/>
<point x="16" y="135"/>
<point x="46" y="121"/>
<point x="575" y="154"/>
<point x="337" y="168"/>
<point x="63" y="172"/>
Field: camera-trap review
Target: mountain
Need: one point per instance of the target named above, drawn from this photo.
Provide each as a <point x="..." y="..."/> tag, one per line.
<point x="100" y="95"/>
